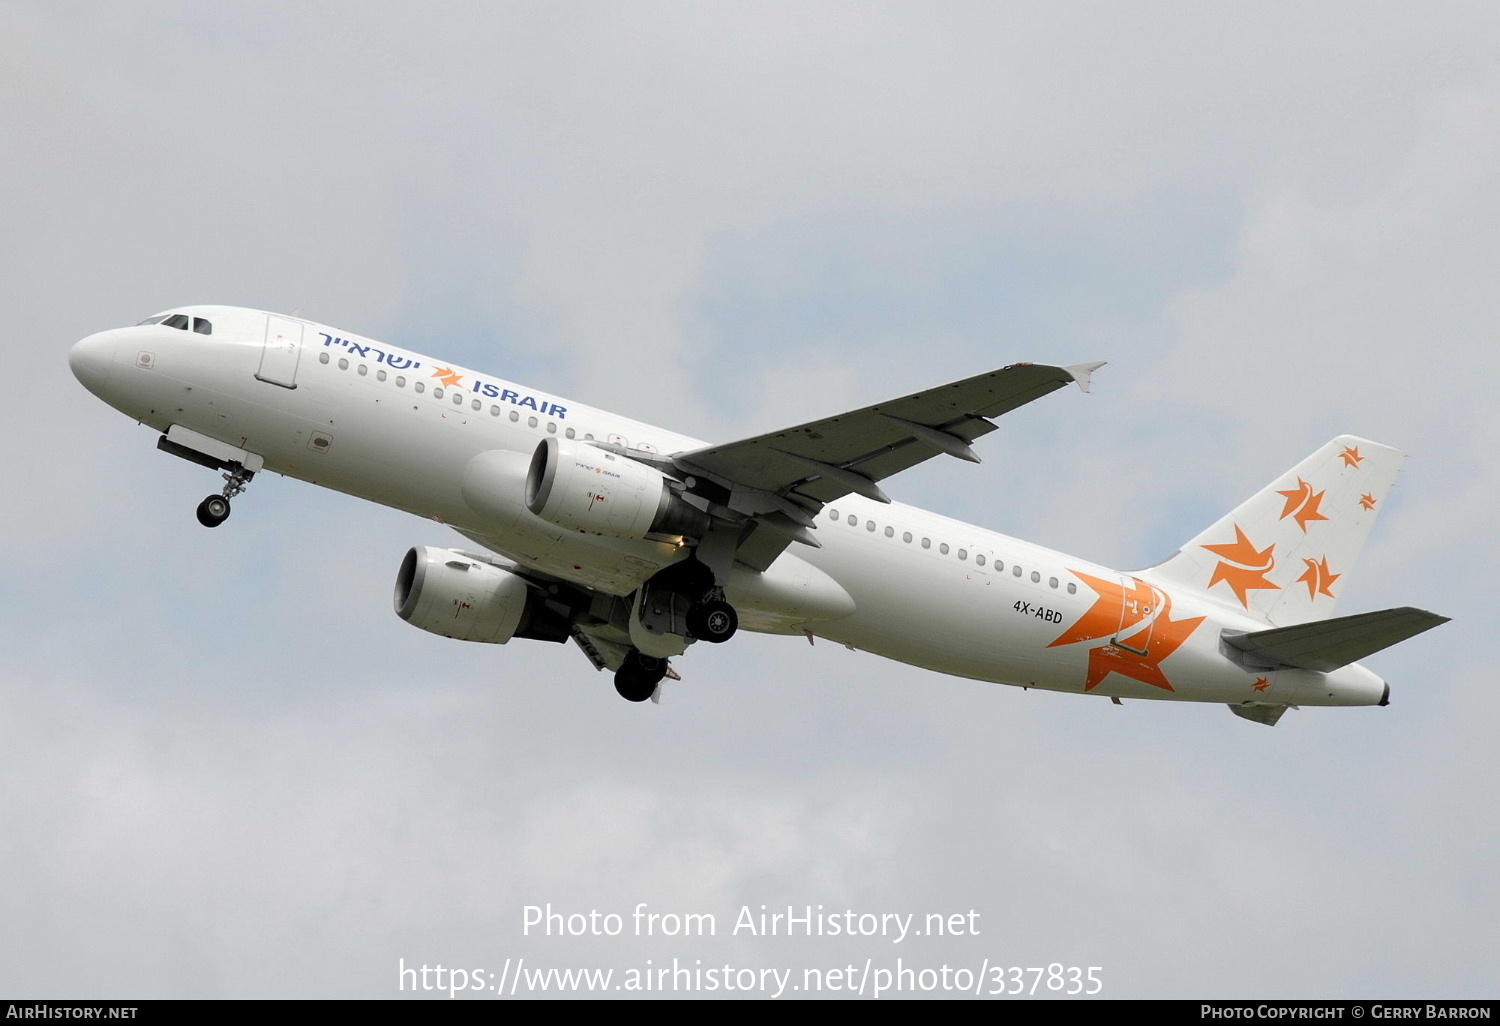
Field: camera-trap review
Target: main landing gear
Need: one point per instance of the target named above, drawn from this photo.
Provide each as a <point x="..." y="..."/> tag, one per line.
<point x="713" y="621"/>
<point x="682" y="603"/>
<point x="638" y="676"/>
<point x="214" y="510"/>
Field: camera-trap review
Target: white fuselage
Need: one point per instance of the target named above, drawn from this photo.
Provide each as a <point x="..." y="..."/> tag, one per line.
<point x="921" y="588"/>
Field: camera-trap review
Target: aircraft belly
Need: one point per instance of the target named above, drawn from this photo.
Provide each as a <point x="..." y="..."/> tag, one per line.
<point x="410" y="455"/>
<point x="943" y="618"/>
<point x="1110" y="637"/>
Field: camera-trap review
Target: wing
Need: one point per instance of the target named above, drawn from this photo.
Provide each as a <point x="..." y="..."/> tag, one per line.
<point x="782" y="479"/>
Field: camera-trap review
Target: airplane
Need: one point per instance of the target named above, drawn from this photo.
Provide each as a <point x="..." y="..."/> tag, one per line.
<point x="635" y="542"/>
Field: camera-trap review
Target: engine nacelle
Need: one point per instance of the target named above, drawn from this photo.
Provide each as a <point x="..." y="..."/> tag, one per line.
<point x="451" y="594"/>
<point x="585" y="488"/>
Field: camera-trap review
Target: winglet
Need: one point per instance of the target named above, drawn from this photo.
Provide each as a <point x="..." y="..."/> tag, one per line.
<point x="1083" y="372"/>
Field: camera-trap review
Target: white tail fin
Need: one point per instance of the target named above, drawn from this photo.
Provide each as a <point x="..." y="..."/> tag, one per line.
<point x="1283" y="554"/>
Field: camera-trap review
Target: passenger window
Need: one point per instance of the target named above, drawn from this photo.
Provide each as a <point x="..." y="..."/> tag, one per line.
<point x="176" y="321"/>
<point x="476" y="406"/>
<point x="890" y="532"/>
<point x="833" y="514"/>
<point x="1052" y="582"/>
<point x="1035" y="577"/>
<point x="979" y="558"/>
<point x="400" y="381"/>
<point x="514" y="416"/>
<point x="551" y="427"/>
<point x="437" y="391"/>
<point x="853" y="520"/>
<point x="363" y="370"/>
<point x="906" y="537"/>
<point x="322" y="357"/>
<point x="569" y="432"/>
<point x="1072" y="588"/>
<point x="380" y="375"/>
<point x="202" y="327"/>
<point x="343" y="364"/>
<point x="531" y="422"/>
<point x="458" y="398"/>
<point x="494" y="411"/>
<point x="943" y="548"/>
<point x="926" y="543"/>
<point x="417" y="386"/>
<point x="586" y="438"/>
<point x="999" y="565"/>
<point x="1016" y="570"/>
<point x="869" y="525"/>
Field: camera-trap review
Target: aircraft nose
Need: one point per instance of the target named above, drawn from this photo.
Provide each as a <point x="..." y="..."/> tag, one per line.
<point x="92" y="359"/>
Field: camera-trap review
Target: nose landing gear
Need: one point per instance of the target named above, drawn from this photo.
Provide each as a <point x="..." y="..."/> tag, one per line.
<point x="214" y="510"/>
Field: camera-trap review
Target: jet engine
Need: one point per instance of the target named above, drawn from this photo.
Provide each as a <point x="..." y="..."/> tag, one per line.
<point x="457" y="596"/>
<point x="587" y="489"/>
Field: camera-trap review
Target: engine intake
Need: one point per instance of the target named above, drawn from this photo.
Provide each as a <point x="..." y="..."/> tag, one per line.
<point x="587" y="489"/>
<point x="451" y="594"/>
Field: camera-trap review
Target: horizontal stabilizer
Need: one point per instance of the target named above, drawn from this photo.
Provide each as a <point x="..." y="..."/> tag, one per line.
<point x="1325" y="645"/>
<point x="1258" y="713"/>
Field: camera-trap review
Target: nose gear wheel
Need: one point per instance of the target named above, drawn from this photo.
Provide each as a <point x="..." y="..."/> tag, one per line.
<point x="215" y="509"/>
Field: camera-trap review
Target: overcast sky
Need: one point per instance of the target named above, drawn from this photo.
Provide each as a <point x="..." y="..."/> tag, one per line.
<point x="228" y="769"/>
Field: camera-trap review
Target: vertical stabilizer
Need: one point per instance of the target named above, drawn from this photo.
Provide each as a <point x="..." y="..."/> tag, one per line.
<point x="1284" y="554"/>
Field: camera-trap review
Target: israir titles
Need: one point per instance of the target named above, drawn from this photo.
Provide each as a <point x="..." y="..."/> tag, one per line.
<point x="408" y="361"/>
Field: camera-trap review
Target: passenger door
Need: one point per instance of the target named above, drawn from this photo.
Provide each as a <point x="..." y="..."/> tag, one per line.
<point x="282" y="350"/>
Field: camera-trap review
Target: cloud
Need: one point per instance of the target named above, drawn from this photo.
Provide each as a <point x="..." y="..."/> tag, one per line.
<point x="227" y="769"/>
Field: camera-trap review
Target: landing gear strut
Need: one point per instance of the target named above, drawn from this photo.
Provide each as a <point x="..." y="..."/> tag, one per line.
<point x="214" y="510"/>
<point x="638" y="676"/>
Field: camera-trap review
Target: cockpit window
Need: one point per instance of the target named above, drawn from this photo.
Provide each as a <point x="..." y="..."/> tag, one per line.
<point x="176" y="321"/>
<point x="202" y="326"/>
<point x="153" y="320"/>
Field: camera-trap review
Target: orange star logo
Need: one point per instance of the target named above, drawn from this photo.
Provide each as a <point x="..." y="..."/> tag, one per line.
<point x="1261" y="684"/>
<point x="1318" y="578"/>
<point x="1243" y="568"/>
<point x="1367" y="501"/>
<point x="1128" y="607"/>
<point x="1116" y="609"/>
<point x="1351" y="457"/>
<point x="447" y="376"/>
<point x="1302" y="504"/>
<point x="1140" y="657"/>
